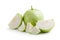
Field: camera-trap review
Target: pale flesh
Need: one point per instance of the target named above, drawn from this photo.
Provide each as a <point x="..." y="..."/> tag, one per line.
<point x="16" y="21"/>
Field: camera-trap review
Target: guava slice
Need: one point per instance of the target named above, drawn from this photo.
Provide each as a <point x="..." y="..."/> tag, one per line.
<point x="22" y="27"/>
<point x="16" y="21"/>
<point x="31" y="29"/>
<point x="45" y="26"/>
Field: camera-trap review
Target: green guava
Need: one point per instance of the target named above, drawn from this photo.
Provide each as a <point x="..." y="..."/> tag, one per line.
<point x="32" y="16"/>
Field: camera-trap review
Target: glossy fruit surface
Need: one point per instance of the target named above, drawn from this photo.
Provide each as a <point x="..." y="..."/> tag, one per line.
<point x="32" y="16"/>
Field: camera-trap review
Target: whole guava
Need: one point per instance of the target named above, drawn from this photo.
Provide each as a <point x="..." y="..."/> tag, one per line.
<point x="32" y="16"/>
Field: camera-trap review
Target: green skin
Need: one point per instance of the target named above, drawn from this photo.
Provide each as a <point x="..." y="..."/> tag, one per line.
<point x="32" y="16"/>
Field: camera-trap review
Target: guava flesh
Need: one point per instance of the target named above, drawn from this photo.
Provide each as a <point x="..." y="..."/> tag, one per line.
<point x="45" y="26"/>
<point x="22" y="27"/>
<point x="32" y="30"/>
<point x="16" y="21"/>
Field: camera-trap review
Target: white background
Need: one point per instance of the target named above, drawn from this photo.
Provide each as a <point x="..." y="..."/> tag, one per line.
<point x="9" y="8"/>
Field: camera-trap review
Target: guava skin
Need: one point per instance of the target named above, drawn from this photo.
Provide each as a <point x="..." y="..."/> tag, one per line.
<point x="32" y="16"/>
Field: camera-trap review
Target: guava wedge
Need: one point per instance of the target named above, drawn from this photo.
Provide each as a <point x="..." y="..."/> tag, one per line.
<point x="45" y="26"/>
<point x="16" y="21"/>
<point x="22" y="27"/>
<point x="31" y="29"/>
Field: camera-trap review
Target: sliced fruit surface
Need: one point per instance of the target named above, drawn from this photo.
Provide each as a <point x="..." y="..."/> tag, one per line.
<point x="45" y="26"/>
<point x="16" y="21"/>
<point x="22" y="27"/>
<point x="31" y="29"/>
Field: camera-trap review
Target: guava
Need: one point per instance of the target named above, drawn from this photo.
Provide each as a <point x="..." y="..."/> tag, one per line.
<point x="32" y="16"/>
<point x="45" y="26"/>
<point x="32" y="22"/>
<point x="16" y="21"/>
<point x="31" y="29"/>
<point x="21" y="27"/>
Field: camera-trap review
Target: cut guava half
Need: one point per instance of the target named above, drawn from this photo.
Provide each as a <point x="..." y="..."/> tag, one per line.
<point x="21" y="27"/>
<point x="45" y="26"/>
<point x="32" y="29"/>
<point x="16" y="21"/>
